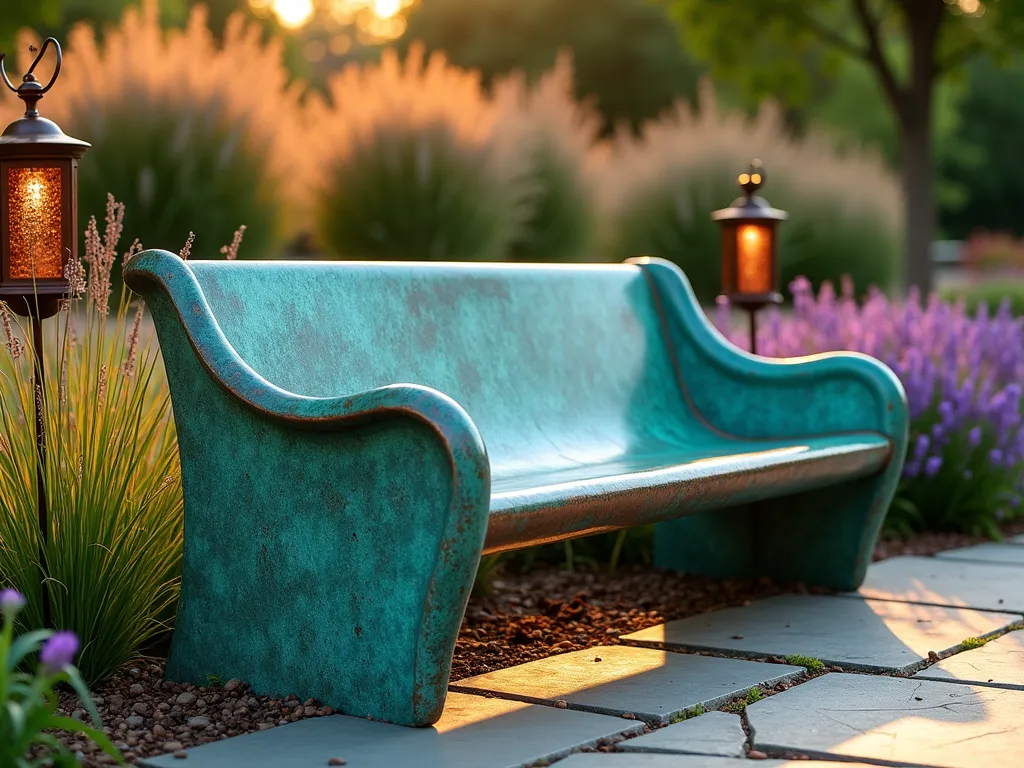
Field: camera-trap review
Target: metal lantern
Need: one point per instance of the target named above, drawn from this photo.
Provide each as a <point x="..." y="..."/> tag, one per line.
<point x="750" y="266"/>
<point x="38" y="200"/>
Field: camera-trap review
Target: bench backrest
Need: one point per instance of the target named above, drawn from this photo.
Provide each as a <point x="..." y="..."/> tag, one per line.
<point x="557" y="365"/>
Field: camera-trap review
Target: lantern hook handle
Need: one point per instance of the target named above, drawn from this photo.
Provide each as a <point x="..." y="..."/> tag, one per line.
<point x="30" y="76"/>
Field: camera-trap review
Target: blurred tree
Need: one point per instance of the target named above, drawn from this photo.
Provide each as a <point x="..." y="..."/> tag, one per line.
<point x="992" y="152"/>
<point x="759" y="43"/>
<point x="626" y="52"/>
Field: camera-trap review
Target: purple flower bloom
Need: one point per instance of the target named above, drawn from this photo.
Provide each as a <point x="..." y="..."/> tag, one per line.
<point x="932" y="466"/>
<point x="974" y="437"/>
<point x="11" y="601"/>
<point x="59" y="651"/>
<point x="996" y="457"/>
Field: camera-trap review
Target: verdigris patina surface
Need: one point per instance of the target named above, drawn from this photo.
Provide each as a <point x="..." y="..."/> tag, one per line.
<point x="332" y="421"/>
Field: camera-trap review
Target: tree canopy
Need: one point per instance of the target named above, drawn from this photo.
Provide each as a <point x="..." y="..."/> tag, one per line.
<point x="909" y="47"/>
<point x="626" y="52"/>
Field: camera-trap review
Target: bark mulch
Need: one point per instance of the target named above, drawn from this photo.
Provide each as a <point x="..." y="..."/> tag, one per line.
<point x="528" y="616"/>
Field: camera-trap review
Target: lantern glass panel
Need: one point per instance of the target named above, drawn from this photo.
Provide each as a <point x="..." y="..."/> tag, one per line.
<point x="754" y="259"/>
<point x="35" y="222"/>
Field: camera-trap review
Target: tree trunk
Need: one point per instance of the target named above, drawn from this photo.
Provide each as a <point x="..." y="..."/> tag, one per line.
<point x="914" y="111"/>
<point x="919" y="199"/>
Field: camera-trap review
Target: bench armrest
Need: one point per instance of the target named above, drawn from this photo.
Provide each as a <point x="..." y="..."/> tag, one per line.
<point x="166" y="272"/>
<point x="748" y="396"/>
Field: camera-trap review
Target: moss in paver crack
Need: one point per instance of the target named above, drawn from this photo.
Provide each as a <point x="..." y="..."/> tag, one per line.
<point x="687" y="714"/>
<point x="810" y="663"/>
<point x="972" y="642"/>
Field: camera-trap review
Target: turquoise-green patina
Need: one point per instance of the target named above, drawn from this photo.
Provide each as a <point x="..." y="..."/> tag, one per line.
<point x="332" y="420"/>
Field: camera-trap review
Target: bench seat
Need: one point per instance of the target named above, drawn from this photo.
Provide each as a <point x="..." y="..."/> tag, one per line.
<point x="354" y="436"/>
<point x="547" y="506"/>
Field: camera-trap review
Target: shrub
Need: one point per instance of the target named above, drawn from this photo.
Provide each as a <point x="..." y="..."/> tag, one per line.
<point x="28" y="702"/>
<point x="408" y="165"/>
<point x="990" y="293"/>
<point x="190" y="134"/>
<point x="112" y="477"/>
<point x="554" y="135"/>
<point x="962" y="374"/>
<point x="989" y="250"/>
<point x="658" y="191"/>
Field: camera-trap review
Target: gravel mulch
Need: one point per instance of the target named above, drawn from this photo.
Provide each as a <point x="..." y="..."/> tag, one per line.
<point x="529" y="616"/>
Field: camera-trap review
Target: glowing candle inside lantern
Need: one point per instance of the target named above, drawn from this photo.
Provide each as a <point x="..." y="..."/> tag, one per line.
<point x="35" y="224"/>
<point x="753" y="262"/>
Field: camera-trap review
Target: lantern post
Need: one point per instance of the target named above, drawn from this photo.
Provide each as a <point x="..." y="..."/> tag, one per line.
<point x="750" y="266"/>
<point x="38" y="237"/>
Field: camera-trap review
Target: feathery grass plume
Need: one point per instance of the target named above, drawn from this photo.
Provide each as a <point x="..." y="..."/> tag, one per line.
<point x="186" y="249"/>
<point x="114" y="550"/>
<point x="554" y="133"/>
<point x="405" y="164"/>
<point x="230" y="252"/>
<point x="190" y="132"/>
<point x="659" y="189"/>
<point x="14" y="344"/>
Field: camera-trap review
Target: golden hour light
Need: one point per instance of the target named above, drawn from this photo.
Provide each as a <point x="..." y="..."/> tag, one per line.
<point x="291" y="13"/>
<point x="754" y="262"/>
<point x="35" y="223"/>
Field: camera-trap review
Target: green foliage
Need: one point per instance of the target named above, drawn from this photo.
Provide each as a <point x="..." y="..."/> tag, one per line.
<point x="971" y="643"/>
<point x="616" y="44"/>
<point x="419" y="170"/>
<point x="553" y="135"/>
<point x="810" y="663"/>
<point x="988" y="165"/>
<point x="970" y="493"/>
<point x="782" y="36"/>
<point x="687" y="714"/>
<point x="28" y="701"/>
<point x="992" y="293"/>
<point x="417" y="194"/>
<point x="660" y="189"/>
<point x="112" y="476"/>
<point x="214" y="681"/>
<point x="159" y="157"/>
<point x="754" y="695"/>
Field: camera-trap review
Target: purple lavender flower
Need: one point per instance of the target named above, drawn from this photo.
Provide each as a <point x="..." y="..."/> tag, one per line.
<point x="932" y="466"/>
<point x="974" y="437"/>
<point x="59" y="651"/>
<point x="11" y="602"/>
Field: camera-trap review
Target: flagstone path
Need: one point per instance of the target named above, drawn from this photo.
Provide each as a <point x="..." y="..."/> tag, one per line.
<point x="922" y="667"/>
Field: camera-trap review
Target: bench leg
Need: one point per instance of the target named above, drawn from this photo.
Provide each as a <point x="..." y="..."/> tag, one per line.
<point x="823" y="537"/>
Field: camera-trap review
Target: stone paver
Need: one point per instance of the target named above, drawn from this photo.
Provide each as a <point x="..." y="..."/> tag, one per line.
<point x="638" y="760"/>
<point x="893" y="719"/>
<point x="990" y="552"/>
<point x="1017" y="539"/>
<point x="653" y="685"/>
<point x="713" y="733"/>
<point x="935" y="581"/>
<point x="999" y="663"/>
<point x="858" y="634"/>
<point x="473" y="732"/>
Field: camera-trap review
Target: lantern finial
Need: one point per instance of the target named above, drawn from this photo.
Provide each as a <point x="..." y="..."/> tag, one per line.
<point x="31" y="90"/>
<point x="752" y="180"/>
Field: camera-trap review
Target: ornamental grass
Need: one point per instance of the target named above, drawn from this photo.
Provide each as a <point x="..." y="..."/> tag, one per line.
<point x="111" y="474"/>
<point x="190" y="132"/>
<point x="962" y="373"/>
<point x="658" y="190"/>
